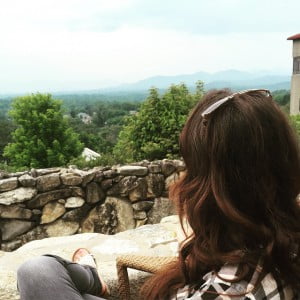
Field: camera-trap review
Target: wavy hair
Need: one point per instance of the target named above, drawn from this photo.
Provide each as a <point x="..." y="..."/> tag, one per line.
<point x="238" y="193"/>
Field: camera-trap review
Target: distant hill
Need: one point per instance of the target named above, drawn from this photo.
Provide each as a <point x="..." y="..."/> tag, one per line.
<point x="137" y="91"/>
<point x="233" y="79"/>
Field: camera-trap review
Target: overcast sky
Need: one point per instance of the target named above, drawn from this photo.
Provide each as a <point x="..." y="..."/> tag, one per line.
<point x="54" y="45"/>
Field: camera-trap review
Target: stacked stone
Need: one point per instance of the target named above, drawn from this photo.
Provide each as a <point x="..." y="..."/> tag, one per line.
<point x="57" y="202"/>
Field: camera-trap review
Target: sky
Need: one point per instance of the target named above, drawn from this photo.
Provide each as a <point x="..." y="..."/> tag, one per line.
<point x="61" y="45"/>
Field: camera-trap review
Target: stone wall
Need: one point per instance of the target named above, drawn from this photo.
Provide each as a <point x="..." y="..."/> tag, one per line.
<point x="53" y="202"/>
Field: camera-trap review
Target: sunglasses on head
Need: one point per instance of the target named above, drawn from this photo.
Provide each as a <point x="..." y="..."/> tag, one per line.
<point x="217" y="104"/>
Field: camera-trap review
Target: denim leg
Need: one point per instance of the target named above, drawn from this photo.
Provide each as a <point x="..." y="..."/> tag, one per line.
<point x="85" y="278"/>
<point x="44" y="278"/>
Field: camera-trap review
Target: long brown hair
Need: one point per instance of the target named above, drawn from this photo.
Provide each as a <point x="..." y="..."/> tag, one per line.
<point x="238" y="193"/>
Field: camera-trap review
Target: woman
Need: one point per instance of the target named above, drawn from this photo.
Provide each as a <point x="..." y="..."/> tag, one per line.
<point x="239" y="197"/>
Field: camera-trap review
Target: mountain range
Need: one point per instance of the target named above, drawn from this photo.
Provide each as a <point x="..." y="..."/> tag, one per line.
<point x="233" y="79"/>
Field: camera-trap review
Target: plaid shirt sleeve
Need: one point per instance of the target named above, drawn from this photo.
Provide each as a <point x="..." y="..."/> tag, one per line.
<point x="216" y="287"/>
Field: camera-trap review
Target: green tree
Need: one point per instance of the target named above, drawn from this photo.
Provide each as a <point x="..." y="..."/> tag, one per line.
<point x="6" y="127"/>
<point x="282" y="97"/>
<point x="100" y="115"/>
<point x="153" y="132"/>
<point x="43" y="137"/>
<point x="199" y="89"/>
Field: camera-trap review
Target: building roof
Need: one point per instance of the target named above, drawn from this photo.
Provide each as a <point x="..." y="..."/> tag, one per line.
<point x="294" y="37"/>
<point x="89" y="154"/>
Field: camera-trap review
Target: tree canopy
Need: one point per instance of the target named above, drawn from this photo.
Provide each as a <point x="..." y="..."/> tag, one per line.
<point x="153" y="132"/>
<point x="43" y="137"/>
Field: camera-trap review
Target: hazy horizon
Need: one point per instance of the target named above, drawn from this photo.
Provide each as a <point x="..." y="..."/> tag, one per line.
<point x="122" y="85"/>
<point x="67" y="45"/>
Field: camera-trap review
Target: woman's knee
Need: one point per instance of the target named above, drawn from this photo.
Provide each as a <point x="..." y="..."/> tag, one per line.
<point x="36" y="267"/>
<point x="45" y="277"/>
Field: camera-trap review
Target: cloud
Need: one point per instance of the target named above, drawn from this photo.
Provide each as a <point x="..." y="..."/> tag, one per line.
<point x="199" y="16"/>
<point x="193" y="16"/>
<point x="129" y="54"/>
<point x="66" y="44"/>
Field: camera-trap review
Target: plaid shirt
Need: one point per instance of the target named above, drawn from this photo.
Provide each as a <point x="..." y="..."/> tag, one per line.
<point x="215" y="288"/>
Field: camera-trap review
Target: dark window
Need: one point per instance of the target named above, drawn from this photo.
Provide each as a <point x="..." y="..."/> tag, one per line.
<point x="296" y="68"/>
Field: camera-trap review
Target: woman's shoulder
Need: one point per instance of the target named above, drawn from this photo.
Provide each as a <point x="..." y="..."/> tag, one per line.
<point x="223" y="286"/>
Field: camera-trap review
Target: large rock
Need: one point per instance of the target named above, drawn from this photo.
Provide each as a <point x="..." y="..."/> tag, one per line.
<point x="42" y="172"/>
<point x="110" y="173"/>
<point x="106" y="184"/>
<point x="19" y="195"/>
<point x="11" y="245"/>
<point x="115" y="215"/>
<point x="102" y="219"/>
<point x="77" y="214"/>
<point x="34" y="234"/>
<point x="71" y="179"/>
<point x="61" y="228"/>
<point x="98" y="176"/>
<point x="74" y="202"/>
<point x="48" y="182"/>
<point x="143" y="205"/>
<point x="132" y="170"/>
<point x="162" y="207"/>
<point x="52" y="211"/>
<point x="8" y="184"/>
<point x="42" y="199"/>
<point x="157" y="240"/>
<point x="124" y="212"/>
<point x="94" y="193"/>
<point x="17" y="174"/>
<point x="77" y="191"/>
<point x="14" y="212"/>
<point x="123" y="187"/>
<point x="87" y="176"/>
<point x="12" y="228"/>
<point x="154" y="167"/>
<point x="156" y="184"/>
<point x="27" y="180"/>
<point x="168" y="167"/>
<point x="4" y="174"/>
<point x="140" y="192"/>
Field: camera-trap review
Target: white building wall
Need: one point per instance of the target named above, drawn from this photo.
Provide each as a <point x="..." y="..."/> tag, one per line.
<point x="295" y="83"/>
<point x="295" y="94"/>
<point x="296" y="48"/>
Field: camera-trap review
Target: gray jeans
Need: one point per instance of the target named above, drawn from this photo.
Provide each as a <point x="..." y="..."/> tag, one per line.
<point x="53" y="278"/>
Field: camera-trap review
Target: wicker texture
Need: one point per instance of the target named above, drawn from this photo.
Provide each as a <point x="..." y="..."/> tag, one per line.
<point x="149" y="264"/>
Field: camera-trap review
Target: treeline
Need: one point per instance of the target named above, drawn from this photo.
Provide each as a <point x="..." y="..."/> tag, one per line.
<point x="282" y="97"/>
<point x="100" y="134"/>
<point x="5" y="104"/>
<point x="107" y="112"/>
<point x="122" y="128"/>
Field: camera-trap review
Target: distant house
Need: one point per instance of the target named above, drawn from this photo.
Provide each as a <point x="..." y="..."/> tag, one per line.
<point x="89" y="154"/>
<point x="85" y="118"/>
<point x="132" y="112"/>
